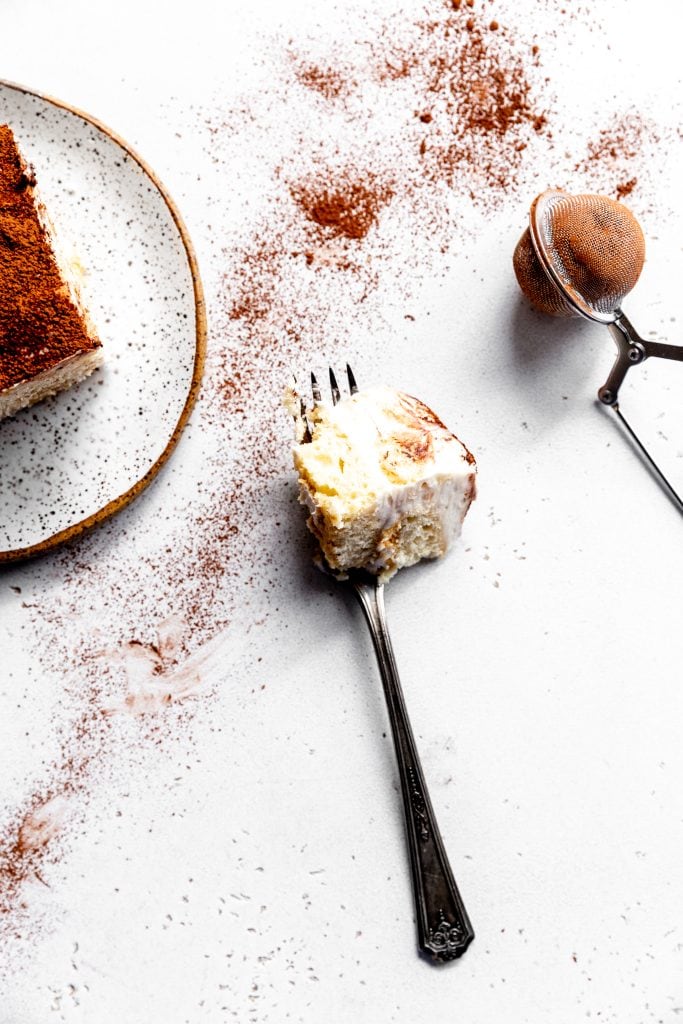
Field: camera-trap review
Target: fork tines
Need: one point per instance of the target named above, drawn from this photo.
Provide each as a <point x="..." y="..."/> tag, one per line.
<point x="334" y="386"/>
<point x="317" y="397"/>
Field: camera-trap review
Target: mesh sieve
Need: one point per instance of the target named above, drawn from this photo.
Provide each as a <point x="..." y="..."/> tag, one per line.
<point x="581" y="255"/>
<point x="590" y="247"/>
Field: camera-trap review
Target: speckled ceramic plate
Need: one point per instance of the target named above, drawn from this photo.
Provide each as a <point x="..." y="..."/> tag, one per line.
<point x="77" y="458"/>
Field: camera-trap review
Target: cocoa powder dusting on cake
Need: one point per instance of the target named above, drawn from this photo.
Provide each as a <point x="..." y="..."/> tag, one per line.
<point x="40" y="324"/>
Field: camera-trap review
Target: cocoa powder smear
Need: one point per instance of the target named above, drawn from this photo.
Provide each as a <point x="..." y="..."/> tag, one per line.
<point x="372" y="159"/>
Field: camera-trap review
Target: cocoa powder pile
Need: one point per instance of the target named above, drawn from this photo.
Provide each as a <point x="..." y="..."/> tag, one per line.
<point x="347" y="206"/>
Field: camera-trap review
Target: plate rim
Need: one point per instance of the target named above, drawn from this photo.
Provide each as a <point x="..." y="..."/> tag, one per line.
<point x="118" y="503"/>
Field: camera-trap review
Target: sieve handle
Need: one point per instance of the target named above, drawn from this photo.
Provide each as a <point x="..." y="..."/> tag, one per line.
<point x="658" y="350"/>
<point x="649" y="461"/>
<point x="631" y="350"/>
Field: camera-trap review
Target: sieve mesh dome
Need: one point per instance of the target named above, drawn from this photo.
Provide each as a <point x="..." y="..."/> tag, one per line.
<point x="586" y="255"/>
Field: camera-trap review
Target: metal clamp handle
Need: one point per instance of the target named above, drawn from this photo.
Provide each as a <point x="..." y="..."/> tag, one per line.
<point x="631" y="350"/>
<point x="444" y="928"/>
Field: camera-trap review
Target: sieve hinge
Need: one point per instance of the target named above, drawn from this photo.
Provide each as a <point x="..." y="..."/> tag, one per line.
<point x="631" y="350"/>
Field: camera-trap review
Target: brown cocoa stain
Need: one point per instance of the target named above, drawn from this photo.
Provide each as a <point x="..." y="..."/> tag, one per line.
<point x="417" y="447"/>
<point x="424" y="416"/>
<point x="418" y="415"/>
<point x="158" y="675"/>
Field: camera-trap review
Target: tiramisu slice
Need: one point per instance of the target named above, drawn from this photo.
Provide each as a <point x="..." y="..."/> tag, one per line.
<point x="46" y="340"/>
<point x="385" y="482"/>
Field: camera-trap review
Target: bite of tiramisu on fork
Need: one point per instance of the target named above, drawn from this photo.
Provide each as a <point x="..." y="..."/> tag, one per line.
<point x="386" y="484"/>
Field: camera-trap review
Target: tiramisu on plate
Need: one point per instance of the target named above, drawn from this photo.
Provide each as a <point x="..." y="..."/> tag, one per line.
<point x="385" y="482"/>
<point x="47" y="342"/>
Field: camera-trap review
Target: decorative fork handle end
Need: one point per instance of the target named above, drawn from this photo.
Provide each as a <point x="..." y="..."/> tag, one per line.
<point x="443" y="925"/>
<point x="446" y="941"/>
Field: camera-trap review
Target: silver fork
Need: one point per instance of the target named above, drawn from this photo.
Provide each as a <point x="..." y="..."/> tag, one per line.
<point x="443" y="926"/>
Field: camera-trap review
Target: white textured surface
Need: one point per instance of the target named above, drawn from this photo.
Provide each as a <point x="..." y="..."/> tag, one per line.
<point x="254" y="868"/>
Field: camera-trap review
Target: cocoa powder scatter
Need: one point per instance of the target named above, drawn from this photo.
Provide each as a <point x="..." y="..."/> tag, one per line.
<point x="622" y="140"/>
<point x="254" y="281"/>
<point x="481" y="91"/>
<point x="626" y="187"/>
<point x="616" y="157"/>
<point x="486" y="109"/>
<point x="343" y="204"/>
<point x="330" y="82"/>
<point x="31" y="840"/>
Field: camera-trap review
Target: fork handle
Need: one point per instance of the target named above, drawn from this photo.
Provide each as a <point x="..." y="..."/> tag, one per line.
<point x="443" y="926"/>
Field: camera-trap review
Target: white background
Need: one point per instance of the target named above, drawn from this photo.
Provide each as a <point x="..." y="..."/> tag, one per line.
<point x="254" y="868"/>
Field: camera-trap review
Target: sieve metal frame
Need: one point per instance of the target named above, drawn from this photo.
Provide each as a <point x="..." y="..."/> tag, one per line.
<point x="541" y="208"/>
